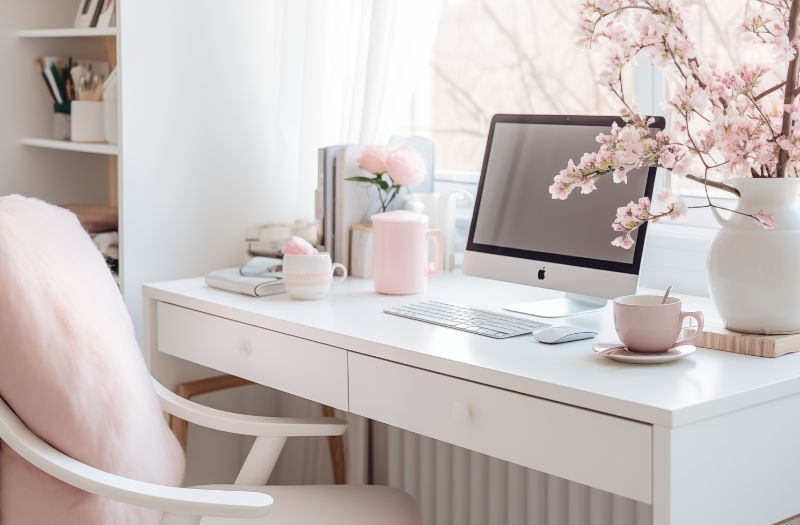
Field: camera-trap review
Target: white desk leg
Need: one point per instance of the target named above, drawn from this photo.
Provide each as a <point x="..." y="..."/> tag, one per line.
<point x="662" y="511"/>
<point x="737" y="469"/>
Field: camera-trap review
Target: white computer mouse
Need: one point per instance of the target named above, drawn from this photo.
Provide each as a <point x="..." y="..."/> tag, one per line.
<point x="563" y="334"/>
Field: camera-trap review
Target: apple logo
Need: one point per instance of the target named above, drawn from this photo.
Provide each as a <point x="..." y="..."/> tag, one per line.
<point x="541" y="274"/>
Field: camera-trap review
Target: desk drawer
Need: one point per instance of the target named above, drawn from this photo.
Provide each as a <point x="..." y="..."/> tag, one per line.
<point x="599" y="450"/>
<point x="290" y="364"/>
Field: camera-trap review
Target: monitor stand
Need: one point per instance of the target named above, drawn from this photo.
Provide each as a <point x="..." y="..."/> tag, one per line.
<point x="570" y="304"/>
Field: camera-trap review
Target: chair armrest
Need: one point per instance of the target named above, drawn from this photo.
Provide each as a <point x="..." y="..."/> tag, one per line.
<point x="246" y="425"/>
<point x="174" y="500"/>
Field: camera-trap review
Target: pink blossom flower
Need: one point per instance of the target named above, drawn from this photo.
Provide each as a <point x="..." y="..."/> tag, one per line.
<point x="666" y="158"/>
<point x="406" y="166"/>
<point x="726" y="122"/>
<point x="682" y="167"/>
<point x="559" y="191"/>
<point x="623" y="241"/>
<point x="767" y="220"/>
<point x="373" y="159"/>
<point x="679" y="209"/>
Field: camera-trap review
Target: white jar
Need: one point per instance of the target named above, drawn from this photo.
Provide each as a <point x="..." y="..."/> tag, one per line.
<point x="754" y="273"/>
<point x="87" y="121"/>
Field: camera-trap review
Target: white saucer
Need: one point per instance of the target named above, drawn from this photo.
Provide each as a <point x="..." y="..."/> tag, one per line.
<point x="620" y="353"/>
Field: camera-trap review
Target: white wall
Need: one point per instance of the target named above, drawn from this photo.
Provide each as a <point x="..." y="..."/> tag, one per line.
<point x="196" y="170"/>
<point x="26" y="108"/>
<point x="194" y="116"/>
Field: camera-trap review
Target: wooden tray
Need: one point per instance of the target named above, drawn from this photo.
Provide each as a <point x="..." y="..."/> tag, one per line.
<point x="717" y="337"/>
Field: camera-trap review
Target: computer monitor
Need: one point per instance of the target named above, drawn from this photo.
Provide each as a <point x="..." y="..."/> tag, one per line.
<point x="519" y="233"/>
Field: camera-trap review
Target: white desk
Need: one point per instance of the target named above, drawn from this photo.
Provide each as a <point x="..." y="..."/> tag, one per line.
<point x="711" y="439"/>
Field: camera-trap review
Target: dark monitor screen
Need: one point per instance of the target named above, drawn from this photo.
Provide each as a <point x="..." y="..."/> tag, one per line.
<point x="515" y="214"/>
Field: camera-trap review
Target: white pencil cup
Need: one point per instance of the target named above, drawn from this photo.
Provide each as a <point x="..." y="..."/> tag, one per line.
<point x="87" y="122"/>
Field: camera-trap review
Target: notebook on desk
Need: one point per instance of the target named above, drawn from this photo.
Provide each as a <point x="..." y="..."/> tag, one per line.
<point x="230" y="279"/>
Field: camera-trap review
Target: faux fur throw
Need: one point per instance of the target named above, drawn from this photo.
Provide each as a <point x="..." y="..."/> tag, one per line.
<point x="71" y="369"/>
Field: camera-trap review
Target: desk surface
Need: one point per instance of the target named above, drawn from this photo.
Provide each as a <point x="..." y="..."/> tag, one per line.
<point x="706" y="384"/>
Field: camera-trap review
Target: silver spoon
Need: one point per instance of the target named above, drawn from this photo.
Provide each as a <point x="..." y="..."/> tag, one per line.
<point x="666" y="295"/>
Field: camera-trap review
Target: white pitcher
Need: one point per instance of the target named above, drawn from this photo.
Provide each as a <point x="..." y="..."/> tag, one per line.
<point x="754" y="273"/>
<point x="441" y="211"/>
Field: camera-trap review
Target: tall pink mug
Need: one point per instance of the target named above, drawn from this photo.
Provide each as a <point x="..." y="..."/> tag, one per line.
<point x="645" y="325"/>
<point x="402" y="261"/>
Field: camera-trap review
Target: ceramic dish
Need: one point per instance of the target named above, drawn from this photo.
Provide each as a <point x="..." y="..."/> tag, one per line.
<point x="618" y="352"/>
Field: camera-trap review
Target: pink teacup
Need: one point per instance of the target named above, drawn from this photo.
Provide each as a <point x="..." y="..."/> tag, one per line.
<point x="645" y="325"/>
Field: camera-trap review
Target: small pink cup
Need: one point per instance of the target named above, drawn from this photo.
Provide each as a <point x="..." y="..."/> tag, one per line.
<point x="645" y="325"/>
<point x="310" y="276"/>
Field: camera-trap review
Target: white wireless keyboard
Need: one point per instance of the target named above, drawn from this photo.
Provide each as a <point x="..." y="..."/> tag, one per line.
<point x="467" y="319"/>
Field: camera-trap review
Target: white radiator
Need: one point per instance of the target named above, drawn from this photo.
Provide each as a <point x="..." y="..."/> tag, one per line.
<point x="457" y="487"/>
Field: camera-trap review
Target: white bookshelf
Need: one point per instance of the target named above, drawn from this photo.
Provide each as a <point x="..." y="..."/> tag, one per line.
<point x="68" y="32"/>
<point x="66" y="145"/>
<point x="38" y="165"/>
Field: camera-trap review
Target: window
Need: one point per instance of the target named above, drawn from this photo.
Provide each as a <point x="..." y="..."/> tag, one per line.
<point x="517" y="56"/>
<point x="520" y="56"/>
<point x="715" y="27"/>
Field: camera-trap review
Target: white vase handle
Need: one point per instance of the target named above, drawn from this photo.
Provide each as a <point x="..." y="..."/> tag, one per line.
<point x="722" y="221"/>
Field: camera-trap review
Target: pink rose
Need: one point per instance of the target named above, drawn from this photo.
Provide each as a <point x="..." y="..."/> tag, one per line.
<point x="298" y="246"/>
<point x="373" y="159"/>
<point x="405" y="166"/>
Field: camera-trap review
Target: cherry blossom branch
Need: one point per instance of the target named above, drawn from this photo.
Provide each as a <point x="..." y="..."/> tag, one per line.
<point x="763" y="117"/>
<point x="635" y="214"/>
<point x="713" y="184"/>
<point x="791" y="85"/>
<point x="725" y="128"/>
<point x="766" y="220"/>
<point x="769" y="91"/>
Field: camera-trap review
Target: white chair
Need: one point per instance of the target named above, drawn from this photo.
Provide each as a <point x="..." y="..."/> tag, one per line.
<point x="223" y="504"/>
<point x="36" y="237"/>
<point x="247" y="498"/>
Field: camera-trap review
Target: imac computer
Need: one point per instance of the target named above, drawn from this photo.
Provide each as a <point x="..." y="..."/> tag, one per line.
<point x="519" y="233"/>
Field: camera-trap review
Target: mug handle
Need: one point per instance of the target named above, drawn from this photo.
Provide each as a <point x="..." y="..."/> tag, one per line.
<point x="435" y="268"/>
<point x="697" y="316"/>
<point x="342" y="277"/>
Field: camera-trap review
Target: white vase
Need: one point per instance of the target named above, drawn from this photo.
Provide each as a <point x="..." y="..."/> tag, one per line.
<point x="754" y="273"/>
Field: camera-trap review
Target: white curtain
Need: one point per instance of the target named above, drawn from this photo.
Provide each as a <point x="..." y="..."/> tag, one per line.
<point x="336" y="72"/>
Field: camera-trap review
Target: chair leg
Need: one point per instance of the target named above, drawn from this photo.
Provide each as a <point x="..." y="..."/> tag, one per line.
<point x="214" y="384"/>
<point x="260" y="461"/>
<point x="336" y="446"/>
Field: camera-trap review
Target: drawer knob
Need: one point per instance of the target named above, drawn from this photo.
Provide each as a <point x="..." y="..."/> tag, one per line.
<point x="246" y="348"/>
<point x="460" y="411"/>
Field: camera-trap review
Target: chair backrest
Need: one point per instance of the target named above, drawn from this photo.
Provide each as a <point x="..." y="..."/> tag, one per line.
<point x="72" y="371"/>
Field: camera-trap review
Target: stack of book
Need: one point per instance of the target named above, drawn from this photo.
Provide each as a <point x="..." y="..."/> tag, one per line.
<point x="341" y="204"/>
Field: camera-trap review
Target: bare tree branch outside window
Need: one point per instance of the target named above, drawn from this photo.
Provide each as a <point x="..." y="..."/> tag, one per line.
<point x="520" y="56"/>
